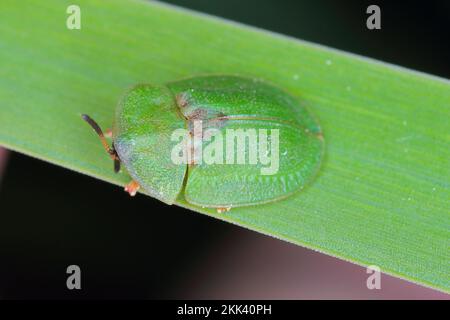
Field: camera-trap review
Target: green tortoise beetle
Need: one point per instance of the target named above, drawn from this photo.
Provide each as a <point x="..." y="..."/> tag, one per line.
<point x="247" y="142"/>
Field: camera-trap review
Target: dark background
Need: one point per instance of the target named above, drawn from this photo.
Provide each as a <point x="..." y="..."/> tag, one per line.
<point x="139" y="248"/>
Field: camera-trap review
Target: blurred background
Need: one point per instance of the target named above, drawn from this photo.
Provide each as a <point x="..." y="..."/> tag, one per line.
<point x="140" y="248"/>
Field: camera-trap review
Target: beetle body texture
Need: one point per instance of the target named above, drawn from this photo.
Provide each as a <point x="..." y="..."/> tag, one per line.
<point x="147" y="116"/>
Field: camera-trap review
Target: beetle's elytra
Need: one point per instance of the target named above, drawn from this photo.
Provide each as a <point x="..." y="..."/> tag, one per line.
<point x="148" y="115"/>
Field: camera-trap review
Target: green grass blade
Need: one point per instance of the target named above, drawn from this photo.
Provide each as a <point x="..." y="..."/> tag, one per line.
<point x="383" y="193"/>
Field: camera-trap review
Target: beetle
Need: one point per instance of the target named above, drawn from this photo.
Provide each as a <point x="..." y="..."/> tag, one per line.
<point x="148" y="115"/>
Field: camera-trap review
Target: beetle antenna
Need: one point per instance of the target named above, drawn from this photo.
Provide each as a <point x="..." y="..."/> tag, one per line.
<point x="111" y="151"/>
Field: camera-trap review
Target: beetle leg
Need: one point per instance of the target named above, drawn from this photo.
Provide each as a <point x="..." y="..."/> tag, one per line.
<point x="223" y="210"/>
<point x="132" y="188"/>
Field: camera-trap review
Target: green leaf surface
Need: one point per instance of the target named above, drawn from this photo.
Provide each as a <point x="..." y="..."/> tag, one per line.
<point x="382" y="196"/>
